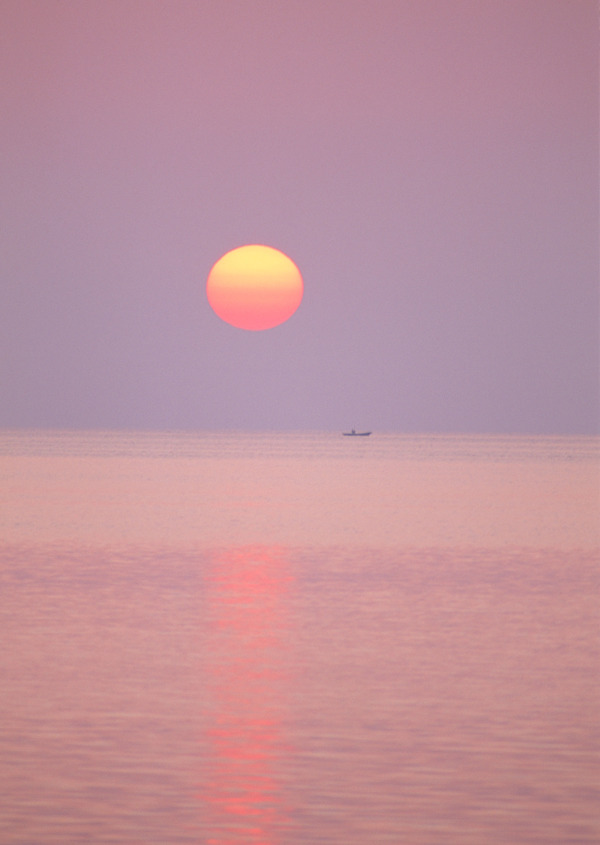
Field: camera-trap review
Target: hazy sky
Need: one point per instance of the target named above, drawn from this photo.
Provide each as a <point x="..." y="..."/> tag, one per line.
<point x="430" y="165"/>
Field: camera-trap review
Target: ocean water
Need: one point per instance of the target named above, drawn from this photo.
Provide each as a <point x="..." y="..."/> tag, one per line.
<point x="298" y="638"/>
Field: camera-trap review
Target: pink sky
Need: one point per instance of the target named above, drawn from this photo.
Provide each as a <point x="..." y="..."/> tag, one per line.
<point x="432" y="168"/>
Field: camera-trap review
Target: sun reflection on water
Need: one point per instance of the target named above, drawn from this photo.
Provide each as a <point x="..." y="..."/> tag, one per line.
<point x="243" y="795"/>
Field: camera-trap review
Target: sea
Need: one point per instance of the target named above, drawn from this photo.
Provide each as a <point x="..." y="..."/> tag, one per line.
<point x="295" y="638"/>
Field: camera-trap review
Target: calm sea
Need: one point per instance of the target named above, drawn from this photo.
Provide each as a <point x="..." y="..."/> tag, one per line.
<point x="298" y="638"/>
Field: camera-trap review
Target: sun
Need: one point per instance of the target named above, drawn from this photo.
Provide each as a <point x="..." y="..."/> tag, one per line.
<point x="254" y="287"/>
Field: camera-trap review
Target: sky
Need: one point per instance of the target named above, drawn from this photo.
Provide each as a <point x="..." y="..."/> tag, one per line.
<point x="431" y="166"/>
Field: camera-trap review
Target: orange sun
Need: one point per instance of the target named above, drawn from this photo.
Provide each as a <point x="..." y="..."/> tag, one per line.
<point x="254" y="287"/>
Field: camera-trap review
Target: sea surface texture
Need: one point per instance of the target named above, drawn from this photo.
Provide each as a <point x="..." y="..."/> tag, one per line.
<point x="294" y="639"/>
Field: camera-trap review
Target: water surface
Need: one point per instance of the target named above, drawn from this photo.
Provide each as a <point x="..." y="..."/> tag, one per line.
<point x="235" y="638"/>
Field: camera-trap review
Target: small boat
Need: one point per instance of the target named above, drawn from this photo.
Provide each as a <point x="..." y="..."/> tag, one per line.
<point x="354" y="433"/>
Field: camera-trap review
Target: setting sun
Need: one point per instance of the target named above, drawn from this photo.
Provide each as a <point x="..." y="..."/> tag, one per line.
<point x="254" y="287"/>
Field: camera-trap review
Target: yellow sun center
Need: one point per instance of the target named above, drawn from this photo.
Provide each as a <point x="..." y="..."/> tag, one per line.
<point x="254" y="287"/>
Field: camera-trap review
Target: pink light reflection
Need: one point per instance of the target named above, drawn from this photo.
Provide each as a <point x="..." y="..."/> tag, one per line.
<point x="247" y="673"/>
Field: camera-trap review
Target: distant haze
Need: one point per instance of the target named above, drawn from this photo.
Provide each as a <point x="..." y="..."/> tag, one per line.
<point x="431" y="167"/>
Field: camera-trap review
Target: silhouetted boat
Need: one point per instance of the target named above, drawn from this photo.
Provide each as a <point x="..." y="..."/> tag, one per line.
<point x="356" y="433"/>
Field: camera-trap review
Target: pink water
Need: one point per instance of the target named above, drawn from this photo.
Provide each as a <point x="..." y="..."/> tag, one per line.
<point x="298" y="639"/>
